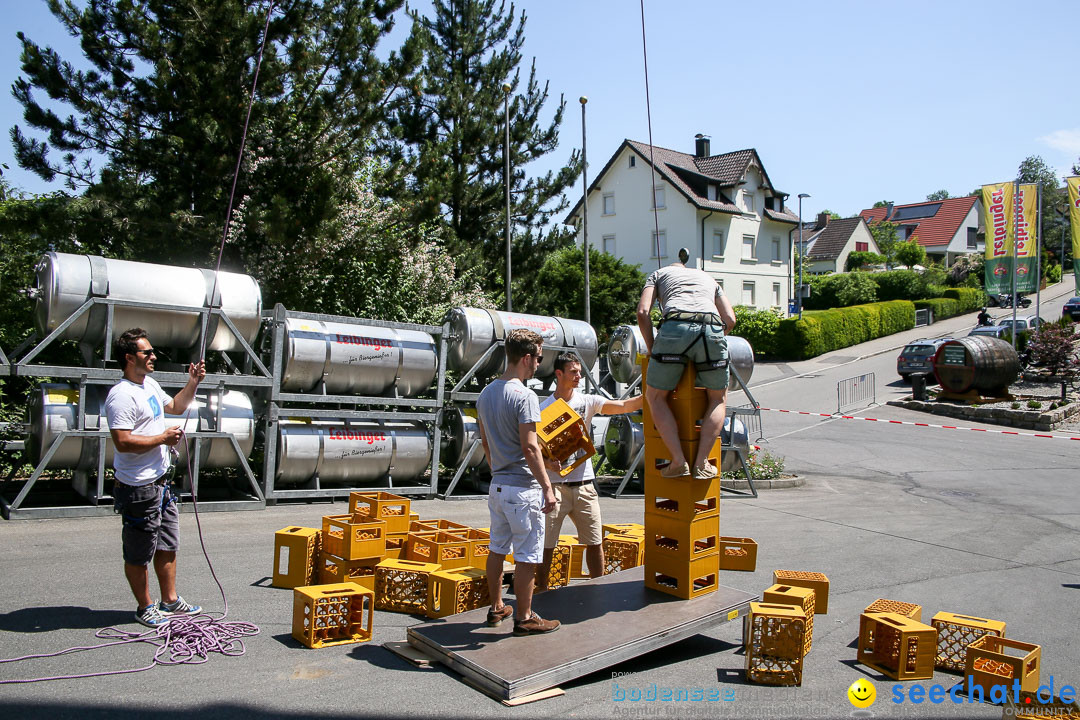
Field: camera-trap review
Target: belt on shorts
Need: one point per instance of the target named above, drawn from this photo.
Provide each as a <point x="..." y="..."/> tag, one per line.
<point x="577" y="483"/>
<point x="709" y="318"/>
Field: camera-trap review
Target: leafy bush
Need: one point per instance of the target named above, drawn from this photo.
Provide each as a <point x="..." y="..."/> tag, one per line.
<point x="1034" y="404"/>
<point x="910" y="252"/>
<point x="1052" y="347"/>
<point x="841" y="290"/>
<point x="821" y="331"/>
<point x="861" y="258"/>
<point x="900" y="285"/>
<point x="969" y="299"/>
<point x="941" y="307"/>
<point x="967" y="271"/>
<point x="1053" y="274"/>
<point x="762" y="464"/>
<point x="758" y="327"/>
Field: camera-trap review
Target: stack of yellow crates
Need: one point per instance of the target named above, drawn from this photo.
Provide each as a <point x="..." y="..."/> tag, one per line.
<point x="682" y="515"/>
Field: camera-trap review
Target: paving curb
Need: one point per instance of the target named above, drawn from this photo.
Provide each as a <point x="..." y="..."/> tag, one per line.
<point x="1026" y="419"/>
<point x="777" y="484"/>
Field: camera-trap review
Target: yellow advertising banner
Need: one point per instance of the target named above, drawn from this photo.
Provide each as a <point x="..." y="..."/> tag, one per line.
<point x="1074" y="220"/>
<point x="997" y="203"/>
<point x="1027" y="238"/>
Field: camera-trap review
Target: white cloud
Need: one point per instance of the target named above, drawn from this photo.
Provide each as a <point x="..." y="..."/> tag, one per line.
<point x="1067" y="141"/>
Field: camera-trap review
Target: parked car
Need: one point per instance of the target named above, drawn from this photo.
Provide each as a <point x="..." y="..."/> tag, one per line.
<point x="1023" y="322"/>
<point x="918" y="357"/>
<point x="991" y="330"/>
<point x="1072" y="309"/>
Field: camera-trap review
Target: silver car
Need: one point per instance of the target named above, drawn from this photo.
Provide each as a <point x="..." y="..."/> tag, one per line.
<point x="1023" y="322"/>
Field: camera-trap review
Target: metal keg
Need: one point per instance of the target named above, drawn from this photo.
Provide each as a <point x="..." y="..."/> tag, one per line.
<point x="66" y="281"/>
<point x="473" y="331"/>
<point x="976" y="362"/>
<point x="351" y="452"/>
<point x="357" y="359"/>
<point x="626" y="344"/>
<point x="625" y="439"/>
<point x="459" y="431"/>
<point x="54" y="409"/>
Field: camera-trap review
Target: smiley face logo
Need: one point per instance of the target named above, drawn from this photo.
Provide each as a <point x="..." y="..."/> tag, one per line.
<point x="861" y="693"/>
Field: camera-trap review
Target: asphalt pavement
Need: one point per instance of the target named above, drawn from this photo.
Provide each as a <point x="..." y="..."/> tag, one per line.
<point x="973" y="523"/>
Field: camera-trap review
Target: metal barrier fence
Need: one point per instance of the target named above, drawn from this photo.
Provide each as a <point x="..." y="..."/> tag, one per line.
<point x="856" y="391"/>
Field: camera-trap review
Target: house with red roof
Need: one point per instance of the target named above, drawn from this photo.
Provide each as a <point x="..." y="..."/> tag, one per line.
<point x="829" y="241"/>
<point x="947" y="228"/>
<point x="723" y="208"/>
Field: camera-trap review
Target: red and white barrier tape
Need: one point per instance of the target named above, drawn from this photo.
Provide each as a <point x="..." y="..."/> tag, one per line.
<point x="921" y="424"/>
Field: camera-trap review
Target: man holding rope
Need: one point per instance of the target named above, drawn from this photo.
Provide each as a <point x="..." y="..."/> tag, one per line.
<point x="136" y="408"/>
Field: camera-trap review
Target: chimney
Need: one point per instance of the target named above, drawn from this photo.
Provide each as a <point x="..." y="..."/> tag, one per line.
<point x="701" y="146"/>
<point x="822" y="220"/>
<point x="888" y="210"/>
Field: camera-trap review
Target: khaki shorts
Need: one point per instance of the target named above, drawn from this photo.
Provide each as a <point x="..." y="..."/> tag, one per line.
<point x="582" y="504"/>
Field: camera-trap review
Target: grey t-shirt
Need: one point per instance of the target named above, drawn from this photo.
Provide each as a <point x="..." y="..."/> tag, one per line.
<point x="503" y="405"/>
<point x="685" y="290"/>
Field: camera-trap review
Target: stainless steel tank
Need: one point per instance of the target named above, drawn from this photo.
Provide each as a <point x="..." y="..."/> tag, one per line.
<point x="473" y="331"/>
<point x="625" y="438"/>
<point x="54" y="407"/>
<point x="66" y="281"/>
<point x="626" y="344"/>
<point x="357" y="359"/>
<point x="459" y="431"/>
<point x="351" y="452"/>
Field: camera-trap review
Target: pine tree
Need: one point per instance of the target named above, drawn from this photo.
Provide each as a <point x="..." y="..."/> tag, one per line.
<point x="452" y="135"/>
<point x="155" y="123"/>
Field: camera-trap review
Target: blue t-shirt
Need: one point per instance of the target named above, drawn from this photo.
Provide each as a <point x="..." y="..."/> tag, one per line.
<point x="504" y="405"/>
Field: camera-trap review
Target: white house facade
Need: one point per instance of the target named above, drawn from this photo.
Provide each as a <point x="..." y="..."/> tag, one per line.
<point x="723" y="208"/>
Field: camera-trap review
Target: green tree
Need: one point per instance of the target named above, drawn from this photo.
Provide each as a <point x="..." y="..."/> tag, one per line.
<point x="938" y="195"/>
<point x="452" y="134"/>
<point x="614" y="288"/>
<point x="883" y="203"/>
<point x="155" y="123"/>
<point x="910" y="253"/>
<point x="1055" y="199"/>
<point x="885" y="237"/>
<point x="832" y="215"/>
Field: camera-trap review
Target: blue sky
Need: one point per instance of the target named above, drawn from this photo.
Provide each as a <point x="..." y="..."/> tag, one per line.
<point x="851" y="102"/>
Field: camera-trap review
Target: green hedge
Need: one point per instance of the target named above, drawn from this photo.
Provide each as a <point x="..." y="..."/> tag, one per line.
<point x="900" y="285"/>
<point x="941" y="307"/>
<point x="821" y="331"/>
<point x="757" y="327"/>
<point x="969" y="299"/>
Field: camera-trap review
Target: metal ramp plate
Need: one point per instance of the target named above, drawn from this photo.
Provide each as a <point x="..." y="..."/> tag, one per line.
<point x="604" y="622"/>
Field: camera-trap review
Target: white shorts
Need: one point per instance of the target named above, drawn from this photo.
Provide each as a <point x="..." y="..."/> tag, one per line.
<point x="517" y="522"/>
<point x="582" y="504"/>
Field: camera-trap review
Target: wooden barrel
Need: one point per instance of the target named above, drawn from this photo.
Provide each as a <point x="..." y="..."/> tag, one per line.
<point x="977" y="362"/>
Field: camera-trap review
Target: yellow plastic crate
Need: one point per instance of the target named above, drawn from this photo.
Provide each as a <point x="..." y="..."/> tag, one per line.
<point x="402" y="585"/>
<point x="377" y="505"/>
<point x="559" y="574"/>
<point x="814" y="580"/>
<point x="737" y="553"/>
<point x="396" y="544"/>
<point x="681" y="539"/>
<point x="351" y="540"/>
<point x="296" y="557"/>
<point x="577" y="556"/>
<point x="908" y="610"/>
<point x="682" y="579"/>
<point x="658" y="457"/>
<point x="774" y="637"/>
<point x="438" y="524"/>
<point x="562" y="435"/>
<point x="798" y="596"/>
<point x="622" y="552"/>
<point x="956" y="632"/>
<point x="623" y="529"/>
<point x="682" y="498"/>
<point x="335" y="570"/>
<point x="478" y="546"/>
<point x="442" y="548"/>
<point x="902" y="648"/>
<point x="325" y="615"/>
<point x="993" y="660"/>
<point x="456" y="591"/>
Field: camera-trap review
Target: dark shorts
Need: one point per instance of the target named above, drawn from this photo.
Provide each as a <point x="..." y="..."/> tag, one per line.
<point x="681" y="337"/>
<point x="148" y="527"/>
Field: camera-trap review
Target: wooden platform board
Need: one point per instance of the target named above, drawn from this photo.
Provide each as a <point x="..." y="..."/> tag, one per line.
<point x="604" y="622"/>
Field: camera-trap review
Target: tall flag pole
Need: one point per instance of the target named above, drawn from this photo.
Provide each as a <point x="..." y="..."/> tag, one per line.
<point x="1073" y="184"/>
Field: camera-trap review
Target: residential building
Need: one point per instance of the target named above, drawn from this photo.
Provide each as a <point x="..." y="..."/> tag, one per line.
<point x="724" y="208"/>
<point x="829" y="241"/>
<point x="946" y="228"/>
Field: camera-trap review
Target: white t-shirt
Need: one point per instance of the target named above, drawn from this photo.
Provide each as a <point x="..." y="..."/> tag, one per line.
<point x="587" y="406"/>
<point x="140" y="409"/>
<point x="685" y="289"/>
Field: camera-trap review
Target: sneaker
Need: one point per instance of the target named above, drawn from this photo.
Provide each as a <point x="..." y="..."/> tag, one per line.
<point x="535" y="625"/>
<point x="673" y="471"/>
<point x="151" y="616"/>
<point x="497" y="616"/>
<point x="704" y="472"/>
<point x="180" y="606"/>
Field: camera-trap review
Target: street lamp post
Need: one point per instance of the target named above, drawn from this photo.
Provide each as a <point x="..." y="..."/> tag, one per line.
<point x="802" y="257"/>
<point x="506" y="152"/>
<point x="585" y="210"/>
